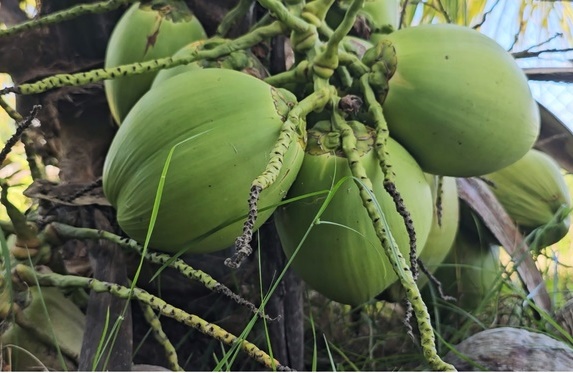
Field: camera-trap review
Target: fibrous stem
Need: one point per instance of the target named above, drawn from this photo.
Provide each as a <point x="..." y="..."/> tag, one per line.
<point x="390" y="248"/>
<point x="161" y="337"/>
<point x="381" y="148"/>
<point x="97" y="75"/>
<point x="64" y="15"/>
<point x="289" y="132"/>
<point x="27" y="274"/>
<point x="68" y="231"/>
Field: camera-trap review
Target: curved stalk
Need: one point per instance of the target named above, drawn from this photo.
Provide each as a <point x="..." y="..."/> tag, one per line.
<point x="161" y="337"/>
<point x="27" y="274"/>
<point x="97" y="75"/>
<point x="291" y="128"/>
<point x="68" y="231"/>
<point x="65" y="15"/>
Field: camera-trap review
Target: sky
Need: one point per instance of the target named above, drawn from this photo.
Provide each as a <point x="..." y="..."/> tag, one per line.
<point x="501" y="25"/>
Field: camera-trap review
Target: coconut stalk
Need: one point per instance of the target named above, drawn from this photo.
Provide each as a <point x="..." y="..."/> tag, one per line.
<point x="399" y="264"/>
<point x="26" y="274"/>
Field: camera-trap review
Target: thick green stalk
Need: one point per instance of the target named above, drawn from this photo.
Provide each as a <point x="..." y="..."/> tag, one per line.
<point x="97" y="75"/>
<point x="315" y="11"/>
<point x="390" y="248"/>
<point x="64" y="15"/>
<point x="234" y="15"/>
<point x="27" y="274"/>
<point x="283" y="15"/>
<point x="161" y="337"/>
<point x="354" y="64"/>
<point x="300" y="74"/>
<point x="68" y="231"/>
<point x="325" y="63"/>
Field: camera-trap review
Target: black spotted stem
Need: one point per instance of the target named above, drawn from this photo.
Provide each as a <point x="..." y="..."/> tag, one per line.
<point x="439" y="199"/>
<point x="61" y="80"/>
<point x="27" y="274"/>
<point x="161" y="338"/>
<point x="21" y="127"/>
<point x="327" y="61"/>
<point x="85" y="190"/>
<point x="233" y="16"/>
<point x="292" y="127"/>
<point x="35" y="170"/>
<point x="384" y="158"/>
<point x="391" y="250"/>
<point x="68" y="231"/>
<point x="65" y="15"/>
<point x="436" y="282"/>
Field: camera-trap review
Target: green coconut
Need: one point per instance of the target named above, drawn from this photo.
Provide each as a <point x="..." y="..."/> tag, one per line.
<point x="222" y="126"/>
<point x="458" y="102"/>
<point x="342" y="257"/>
<point x="148" y="30"/>
<point x="535" y="195"/>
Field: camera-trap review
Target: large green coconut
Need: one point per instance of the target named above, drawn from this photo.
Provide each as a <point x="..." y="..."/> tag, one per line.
<point x="342" y="257"/>
<point x="458" y="102"/>
<point x="222" y="126"/>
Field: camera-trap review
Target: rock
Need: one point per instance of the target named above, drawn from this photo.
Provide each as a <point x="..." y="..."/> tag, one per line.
<point x="511" y="349"/>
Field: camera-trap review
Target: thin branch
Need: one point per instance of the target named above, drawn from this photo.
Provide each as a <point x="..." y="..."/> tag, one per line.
<point x="484" y="17"/>
<point x="516" y="36"/>
<point x="527" y="54"/>
<point x="65" y="15"/>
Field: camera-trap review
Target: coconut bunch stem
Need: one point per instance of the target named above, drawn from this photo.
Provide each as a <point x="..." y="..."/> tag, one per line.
<point x="327" y="61"/>
<point x="64" y="15"/>
<point x="161" y="338"/>
<point x="26" y="274"/>
<point x="381" y="148"/>
<point x="62" y="80"/>
<point x="398" y="262"/>
<point x="67" y="231"/>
